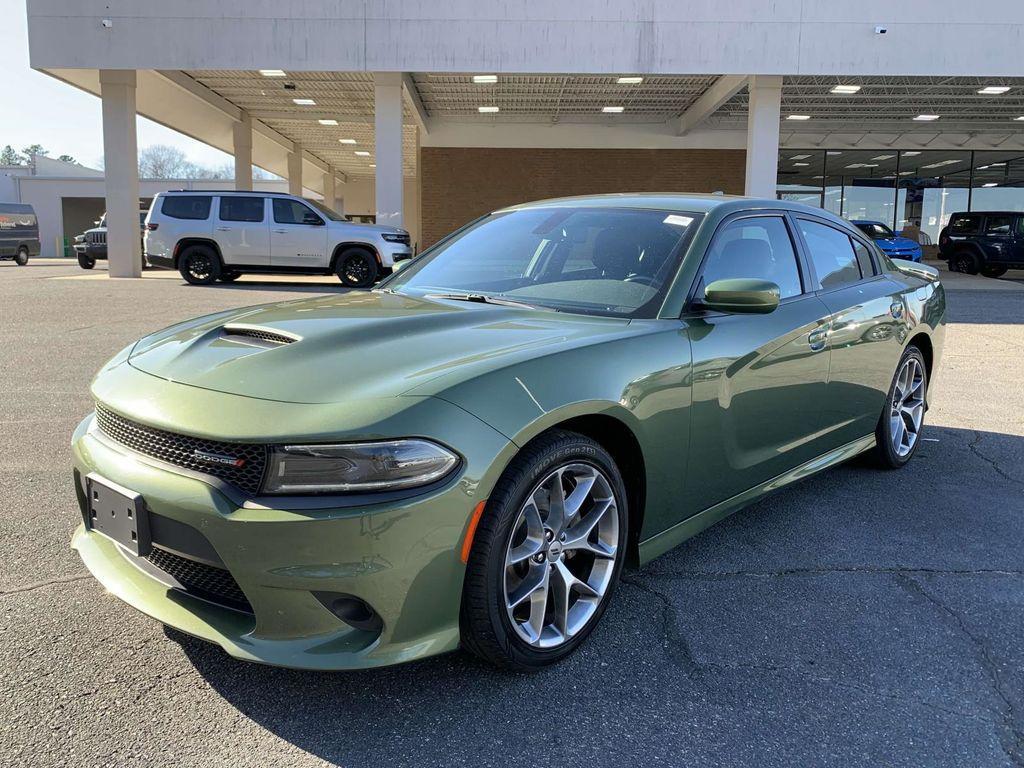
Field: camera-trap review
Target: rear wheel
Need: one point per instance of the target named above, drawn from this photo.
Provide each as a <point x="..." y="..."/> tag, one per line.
<point x="966" y="262"/>
<point x="85" y="261"/>
<point x="230" y="276"/>
<point x="199" y="265"/>
<point x="547" y="554"/>
<point x="21" y="257"/>
<point x="993" y="271"/>
<point x="899" y="427"/>
<point x="357" y="268"/>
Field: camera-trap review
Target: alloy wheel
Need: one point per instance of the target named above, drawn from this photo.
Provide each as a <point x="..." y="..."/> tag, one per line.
<point x="561" y="556"/>
<point x="907" y="408"/>
<point x="356" y="270"/>
<point x="200" y="266"/>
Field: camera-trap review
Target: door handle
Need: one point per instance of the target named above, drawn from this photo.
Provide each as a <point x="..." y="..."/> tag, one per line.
<point x="279" y="231"/>
<point x="223" y="229"/>
<point x="816" y="339"/>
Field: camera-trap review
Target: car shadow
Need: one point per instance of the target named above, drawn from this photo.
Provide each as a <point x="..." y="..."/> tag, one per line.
<point x="836" y="600"/>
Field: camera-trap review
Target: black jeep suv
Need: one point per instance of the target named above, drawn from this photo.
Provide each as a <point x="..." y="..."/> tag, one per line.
<point x="989" y="242"/>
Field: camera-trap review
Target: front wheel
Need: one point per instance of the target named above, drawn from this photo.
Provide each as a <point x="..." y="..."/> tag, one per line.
<point x="357" y="268"/>
<point x="966" y="262"/>
<point x="85" y="261"/>
<point x="21" y="257"/>
<point x="993" y="271"/>
<point x="899" y="427"/>
<point x="199" y="265"/>
<point x="546" y="555"/>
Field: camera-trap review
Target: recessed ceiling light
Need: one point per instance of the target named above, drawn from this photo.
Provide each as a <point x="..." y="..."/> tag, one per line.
<point x="612" y="110"/>
<point x="799" y="157"/>
<point x="629" y="80"/>
<point x="994" y="90"/>
<point x="926" y="118"/>
<point x="990" y="184"/>
<point x="846" y="89"/>
<point x="327" y="122"/>
<point x="272" y="72"/>
<point x="304" y="102"/>
<point x="485" y="79"/>
<point x="801" y="164"/>
<point x="798" y="117"/>
<point x="362" y="153"/>
<point x="487" y="110"/>
<point x="883" y="157"/>
<point x="373" y="165"/>
<point x="348" y="141"/>
<point x="911" y="153"/>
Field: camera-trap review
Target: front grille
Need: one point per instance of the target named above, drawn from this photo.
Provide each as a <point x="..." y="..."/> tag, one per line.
<point x="184" y="450"/>
<point x="205" y="581"/>
<point x="96" y="238"/>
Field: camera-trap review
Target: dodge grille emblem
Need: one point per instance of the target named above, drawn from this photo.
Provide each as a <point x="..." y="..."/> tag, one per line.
<point x="218" y="458"/>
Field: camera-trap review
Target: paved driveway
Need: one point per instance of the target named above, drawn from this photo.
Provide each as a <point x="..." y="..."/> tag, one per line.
<point x="861" y="618"/>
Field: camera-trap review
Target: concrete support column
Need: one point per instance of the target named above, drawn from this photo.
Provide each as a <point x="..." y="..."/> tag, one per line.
<point x="387" y="90"/>
<point x="121" y="168"/>
<point x="329" y="187"/>
<point x="243" y="152"/>
<point x="295" y="170"/>
<point x="763" y="135"/>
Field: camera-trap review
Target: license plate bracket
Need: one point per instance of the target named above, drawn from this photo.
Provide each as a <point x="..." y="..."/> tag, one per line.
<point x="117" y="513"/>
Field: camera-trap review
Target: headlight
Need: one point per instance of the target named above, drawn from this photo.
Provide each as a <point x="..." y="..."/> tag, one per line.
<point x="378" y="466"/>
<point x="396" y="237"/>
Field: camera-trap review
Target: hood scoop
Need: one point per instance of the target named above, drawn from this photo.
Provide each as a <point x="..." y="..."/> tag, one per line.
<point x="256" y="336"/>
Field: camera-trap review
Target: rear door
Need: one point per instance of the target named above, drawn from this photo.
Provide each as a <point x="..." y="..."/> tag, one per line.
<point x="864" y="338"/>
<point x="997" y="239"/>
<point x="1018" y="241"/>
<point x="242" y="231"/>
<point x="759" y="381"/>
<point x="298" y="235"/>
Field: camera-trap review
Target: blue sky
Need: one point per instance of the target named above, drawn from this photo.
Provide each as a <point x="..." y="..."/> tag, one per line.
<point x="62" y="118"/>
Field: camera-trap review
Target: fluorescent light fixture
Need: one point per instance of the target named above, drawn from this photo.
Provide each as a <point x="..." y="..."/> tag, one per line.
<point x="995" y="164"/>
<point x="304" y="102"/>
<point x="272" y="73"/>
<point x="1021" y="118"/>
<point x="362" y="153"/>
<point x="612" y="110"/>
<point x="942" y="163"/>
<point x="926" y="118"/>
<point x="994" y="90"/>
<point x="862" y="165"/>
<point x="911" y="153"/>
<point x="629" y="80"/>
<point x="834" y="152"/>
<point x="884" y="157"/>
<point x="801" y="164"/>
<point x="485" y="79"/>
<point x="990" y="184"/>
<point x="486" y="110"/>
<point x="373" y="165"/>
<point x="799" y="157"/>
<point x="798" y="117"/>
<point x="846" y="89"/>
<point x="348" y="141"/>
<point x="905" y="173"/>
<point x="327" y="122"/>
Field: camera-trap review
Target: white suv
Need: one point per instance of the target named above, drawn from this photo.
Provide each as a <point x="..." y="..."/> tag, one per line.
<point x="210" y="236"/>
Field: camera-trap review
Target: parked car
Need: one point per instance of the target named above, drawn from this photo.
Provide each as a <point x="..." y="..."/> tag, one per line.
<point x="209" y="236"/>
<point x="469" y="453"/>
<point x="93" y="245"/>
<point x="19" y="233"/>
<point x="989" y="242"/>
<point x="896" y="246"/>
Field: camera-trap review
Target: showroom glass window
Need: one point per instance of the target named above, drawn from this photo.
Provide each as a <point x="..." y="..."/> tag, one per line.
<point x="998" y="181"/>
<point x="831" y="253"/>
<point x="293" y="212"/>
<point x="933" y="185"/>
<point x="757" y="248"/>
<point x="245" y="209"/>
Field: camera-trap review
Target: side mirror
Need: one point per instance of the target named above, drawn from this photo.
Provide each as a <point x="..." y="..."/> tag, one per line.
<point x="743" y="296"/>
<point x="312" y="220"/>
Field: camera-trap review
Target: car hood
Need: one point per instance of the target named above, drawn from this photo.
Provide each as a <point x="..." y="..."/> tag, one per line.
<point x="896" y="243"/>
<point x="357" y="345"/>
<point x="367" y="228"/>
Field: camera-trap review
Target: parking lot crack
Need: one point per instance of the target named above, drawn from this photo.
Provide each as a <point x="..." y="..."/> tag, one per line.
<point x="1011" y="737"/>
<point x="41" y="584"/>
<point x="674" y="640"/>
<point x="973" y="445"/>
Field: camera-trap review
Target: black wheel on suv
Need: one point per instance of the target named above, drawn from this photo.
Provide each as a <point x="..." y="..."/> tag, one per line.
<point x="966" y="262"/>
<point x="85" y="261"/>
<point x="357" y="268"/>
<point x="992" y="270"/>
<point x="199" y="265"/>
<point x="21" y="257"/>
<point x="229" y="276"/>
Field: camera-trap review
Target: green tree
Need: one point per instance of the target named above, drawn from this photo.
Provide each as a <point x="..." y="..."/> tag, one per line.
<point x="9" y="157"/>
<point x="67" y="159"/>
<point x="34" y="149"/>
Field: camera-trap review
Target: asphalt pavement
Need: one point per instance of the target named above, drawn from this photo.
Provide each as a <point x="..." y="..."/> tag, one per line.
<point x="861" y="618"/>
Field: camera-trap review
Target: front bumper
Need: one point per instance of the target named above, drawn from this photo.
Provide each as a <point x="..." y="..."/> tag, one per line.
<point x="401" y="558"/>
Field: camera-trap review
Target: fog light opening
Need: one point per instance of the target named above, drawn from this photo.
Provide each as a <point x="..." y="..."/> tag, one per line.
<point x="352" y="610"/>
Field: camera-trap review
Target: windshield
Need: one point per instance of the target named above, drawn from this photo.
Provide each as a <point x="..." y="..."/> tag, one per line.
<point x="332" y="215"/>
<point x="605" y="261"/>
<point x="875" y="230"/>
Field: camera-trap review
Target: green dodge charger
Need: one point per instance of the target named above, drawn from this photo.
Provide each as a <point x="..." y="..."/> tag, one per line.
<point x="469" y="454"/>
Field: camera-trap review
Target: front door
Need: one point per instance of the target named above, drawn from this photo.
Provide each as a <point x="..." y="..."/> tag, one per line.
<point x="241" y="230"/>
<point x="997" y="240"/>
<point x="298" y="236"/>
<point x="759" y="381"/>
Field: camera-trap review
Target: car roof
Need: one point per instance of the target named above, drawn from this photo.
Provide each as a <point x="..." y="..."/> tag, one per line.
<point x="987" y="213"/>
<point x="868" y="221"/>
<point x="666" y="201"/>
<point x="224" y="192"/>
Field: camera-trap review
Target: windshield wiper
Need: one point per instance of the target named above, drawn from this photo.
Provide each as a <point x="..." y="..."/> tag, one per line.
<point x="480" y="298"/>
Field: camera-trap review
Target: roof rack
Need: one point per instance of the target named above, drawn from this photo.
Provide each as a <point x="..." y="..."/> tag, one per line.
<point x="232" y="191"/>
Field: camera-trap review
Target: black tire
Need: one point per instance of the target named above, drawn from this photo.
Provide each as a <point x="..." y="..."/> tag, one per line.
<point x="486" y="629"/>
<point x="966" y="262"/>
<point x="992" y="270"/>
<point x="884" y="452"/>
<point x="199" y="265"/>
<point x="85" y="261"/>
<point x="21" y="257"/>
<point x="229" y="276"/>
<point x="356" y="268"/>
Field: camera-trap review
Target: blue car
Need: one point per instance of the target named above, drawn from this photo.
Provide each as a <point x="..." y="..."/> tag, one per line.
<point x="896" y="246"/>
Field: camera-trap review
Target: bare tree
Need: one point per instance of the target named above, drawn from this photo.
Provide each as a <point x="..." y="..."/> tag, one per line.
<point x="159" y="161"/>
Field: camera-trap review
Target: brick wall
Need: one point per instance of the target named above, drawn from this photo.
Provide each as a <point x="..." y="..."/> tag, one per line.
<point x="460" y="184"/>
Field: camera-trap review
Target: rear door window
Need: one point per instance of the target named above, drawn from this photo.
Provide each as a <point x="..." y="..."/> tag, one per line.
<point x="998" y="225"/>
<point x="235" y="208"/>
<point x="186" y="206"/>
<point x="867" y="266"/>
<point x="831" y="253"/>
